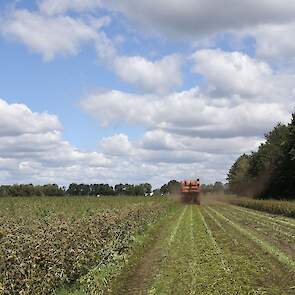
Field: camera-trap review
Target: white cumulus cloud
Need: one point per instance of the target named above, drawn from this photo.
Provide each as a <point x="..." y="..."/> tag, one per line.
<point x="45" y="35"/>
<point x="160" y="75"/>
<point x="32" y="149"/>
<point x="17" y="119"/>
<point x="116" y="145"/>
<point x="54" y="35"/>
<point x="236" y="75"/>
<point x="202" y="130"/>
<point x="187" y="112"/>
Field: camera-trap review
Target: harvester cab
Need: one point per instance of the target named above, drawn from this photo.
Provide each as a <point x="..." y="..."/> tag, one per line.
<point x="190" y="191"/>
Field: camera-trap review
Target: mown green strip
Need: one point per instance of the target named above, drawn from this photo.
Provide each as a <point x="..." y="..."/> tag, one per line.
<point x="214" y="219"/>
<point x="161" y="281"/>
<point x="213" y="241"/>
<point x="281" y="256"/>
<point x="264" y="215"/>
<point x="260" y="220"/>
<point x="173" y="234"/>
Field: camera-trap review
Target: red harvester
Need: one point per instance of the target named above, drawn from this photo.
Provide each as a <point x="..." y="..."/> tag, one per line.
<point x="190" y="191"/>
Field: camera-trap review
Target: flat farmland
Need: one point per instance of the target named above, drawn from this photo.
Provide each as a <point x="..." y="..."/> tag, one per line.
<point x="143" y="246"/>
<point x="52" y="243"/>
<point x="222" y="249"/>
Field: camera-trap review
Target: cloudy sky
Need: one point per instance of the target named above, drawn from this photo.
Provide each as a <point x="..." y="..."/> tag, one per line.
<point x="140" y="90"/>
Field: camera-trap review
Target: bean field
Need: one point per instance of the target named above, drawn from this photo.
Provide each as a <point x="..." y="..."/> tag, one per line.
<point x="142" y="246"/>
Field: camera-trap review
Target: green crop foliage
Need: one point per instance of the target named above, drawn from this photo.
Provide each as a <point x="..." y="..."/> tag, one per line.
<point x="122" y="245"/>
<point x="285" y="208"/>
<point x="275" y="207"/>
<point x="49" y="243"/>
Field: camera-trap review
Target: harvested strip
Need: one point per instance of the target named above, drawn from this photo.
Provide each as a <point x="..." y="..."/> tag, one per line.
<point x="262" y="223"/>
<point x="269" y="217"/>
<point x="173" y="234"/>
<point x="251" y="266"/>
<point x="192" y="226"/>
<point x="281" y="256"/>
<point x="192" y="265"/>
<point x="214" y="219"/>
<point x="277" y="235"/>
<point x="173" y="259"/>
<point x="217" y="249"/>
<point x="210" y="275"/>
<point x="140" y="274"/>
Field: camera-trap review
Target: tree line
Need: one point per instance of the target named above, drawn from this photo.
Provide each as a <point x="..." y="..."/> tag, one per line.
<point x="268" y="172"/>
<point x="216" y="188"/>
<point x="28" y="190"/>
<point x="74" y="189"/>
<point x="107" y="190"/>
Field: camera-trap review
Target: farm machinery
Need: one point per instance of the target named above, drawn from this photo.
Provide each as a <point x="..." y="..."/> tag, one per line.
<point x="190" y="191"/>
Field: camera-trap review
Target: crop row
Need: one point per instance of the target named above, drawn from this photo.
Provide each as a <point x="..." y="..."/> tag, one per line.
<point x="260" y="264"/>
<point x="285" y="208"/>
<point x="266" y="246"/>
<point x="40" y="254"/>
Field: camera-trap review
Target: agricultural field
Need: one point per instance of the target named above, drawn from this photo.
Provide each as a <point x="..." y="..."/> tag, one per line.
<point x="285" y="208"/>
<point x="52" y="243"/>
<point x="143" y="246"/>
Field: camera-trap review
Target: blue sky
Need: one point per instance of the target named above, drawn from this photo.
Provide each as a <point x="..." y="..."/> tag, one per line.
<point x="139" y="91"/>
<point x="58" y="85"/>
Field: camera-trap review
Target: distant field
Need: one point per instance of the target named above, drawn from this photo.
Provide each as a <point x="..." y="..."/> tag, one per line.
<point x="142" y="246"/>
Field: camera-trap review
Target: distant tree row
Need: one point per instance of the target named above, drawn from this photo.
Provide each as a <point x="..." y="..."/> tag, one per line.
<point x="172" y="187"/>
<point x="216" y="188"/>
<point x="27" y="190"/>
<point x="89" y="189"/>
<point x="107" y="190"/>
<point x="270" y="171"/>
<point x="74" y="189"/>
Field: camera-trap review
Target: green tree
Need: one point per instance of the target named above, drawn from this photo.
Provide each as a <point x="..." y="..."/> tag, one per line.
<point x="218" y="187"/>
<point x="270" y="171"/>
<point x="238" y="175"/>
<point x="283" y="179"/>
<point x="147" y="188"/>
<point x="173" y="187"/>
<point x="164" y="189"/>
<point x="265" y="162"/>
